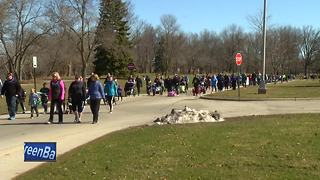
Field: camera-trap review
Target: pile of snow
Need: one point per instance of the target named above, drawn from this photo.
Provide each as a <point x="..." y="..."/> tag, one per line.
<point x="188" y="115"/>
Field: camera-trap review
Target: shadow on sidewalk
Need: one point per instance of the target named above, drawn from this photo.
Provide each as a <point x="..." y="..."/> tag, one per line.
<point x="43" y="123"/>
<point x="27" y="123"/>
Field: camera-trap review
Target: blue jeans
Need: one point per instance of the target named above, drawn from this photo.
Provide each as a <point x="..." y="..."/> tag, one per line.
<point x="11" y="104"/>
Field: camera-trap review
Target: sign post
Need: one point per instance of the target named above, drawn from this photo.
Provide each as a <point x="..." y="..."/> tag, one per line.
<point x="131" y="67"/>
<point x="238" y="62"/>
<point x="35" y="65"/>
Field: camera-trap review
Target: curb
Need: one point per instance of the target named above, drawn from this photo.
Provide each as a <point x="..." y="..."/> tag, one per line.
<point x="206" y="97"/>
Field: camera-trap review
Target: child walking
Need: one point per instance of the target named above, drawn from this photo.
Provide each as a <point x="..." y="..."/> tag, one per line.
<point x="33" y="102"/>
<point x="119" y="90"/>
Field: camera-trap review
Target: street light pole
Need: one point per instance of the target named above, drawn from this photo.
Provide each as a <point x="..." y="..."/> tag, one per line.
<point x="264" y="38"/>
<point x="262" y="86"/>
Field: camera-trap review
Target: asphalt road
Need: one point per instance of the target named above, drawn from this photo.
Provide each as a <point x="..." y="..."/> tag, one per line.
<point x="132" y="111"/>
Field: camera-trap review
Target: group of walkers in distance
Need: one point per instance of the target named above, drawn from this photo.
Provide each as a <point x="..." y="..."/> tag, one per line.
<point x="220" y="81"/>
<point x="93" y="91"/>
<point x="174" y="85"/>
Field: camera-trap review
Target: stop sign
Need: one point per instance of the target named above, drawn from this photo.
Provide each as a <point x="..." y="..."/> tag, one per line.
<point x="238" y="59"/>
<point x="131" y="66"/>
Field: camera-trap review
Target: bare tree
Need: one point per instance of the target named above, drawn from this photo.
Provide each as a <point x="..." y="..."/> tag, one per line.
<point x="145" y="48"/>
<point x="169" y="28"/>
<point x="233" y="42"/>
<point x="79" y="18"/>
<point x="309" y="46"/>
<point x="21" y="26"/>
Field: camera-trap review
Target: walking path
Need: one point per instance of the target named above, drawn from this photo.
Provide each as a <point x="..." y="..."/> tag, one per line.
<point x="133" y="111"/>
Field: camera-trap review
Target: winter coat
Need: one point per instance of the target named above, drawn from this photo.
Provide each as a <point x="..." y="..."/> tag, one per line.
<point x="33" y="99"/>
<point x="77" y="91"/>
<point x="95" y="90"/>
<point x="111" y="88"/>
<point x="214" y="81"/>
<point x="56" y="91"/>
<point x="11" y="88"/>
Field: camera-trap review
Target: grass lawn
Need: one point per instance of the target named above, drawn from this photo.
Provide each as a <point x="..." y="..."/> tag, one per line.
<point x="294" y="89"/>
<point x="257" y="147"/>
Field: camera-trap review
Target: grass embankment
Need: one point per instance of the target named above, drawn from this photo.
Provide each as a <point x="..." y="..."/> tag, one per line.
<point x="260" y="147"/>
<point x="294" y="89"/>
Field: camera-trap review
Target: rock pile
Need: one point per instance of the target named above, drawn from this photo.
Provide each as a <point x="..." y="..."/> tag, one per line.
<point x="188" y="115"/>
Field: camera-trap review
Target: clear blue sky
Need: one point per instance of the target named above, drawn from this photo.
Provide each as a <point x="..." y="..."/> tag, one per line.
<point x="215" y="15"/>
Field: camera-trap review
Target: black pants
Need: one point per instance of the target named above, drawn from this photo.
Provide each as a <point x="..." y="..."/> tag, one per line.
<point x="58" y="104"/>
<point x="77" y="106"/>
<point x="109" y="99"/>
<point x="21" y="102"/>
<point x="45" y="105"/>
<point x="138" y="88"/>
<point x="119" y="96"/>
<point x="34" y="108"/>
<point x="95" y="106"/>
<point x="176" y="87"/>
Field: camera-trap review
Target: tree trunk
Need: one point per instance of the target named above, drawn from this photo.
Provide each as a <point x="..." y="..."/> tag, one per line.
<point x="305" y="68"/>
<point x="69" y="68"/>
<point x="20" y="69"/>
<point x="84" y="69"/>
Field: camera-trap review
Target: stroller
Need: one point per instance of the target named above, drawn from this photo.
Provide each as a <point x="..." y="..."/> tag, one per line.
<point x="156" y="89"/>
<point x="172" y="93"/>
<point x="200" y="88"/>
<point x="149" y="87"/>
<point x="129" y="88"/>
<point x="68" y="109"/>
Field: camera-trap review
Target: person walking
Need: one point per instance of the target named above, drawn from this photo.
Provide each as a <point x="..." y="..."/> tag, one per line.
<point x="111" y="90"/>
<point x="176" y="82"/>
<point x="33" y="102"/>
<point x="233" y="80"/>
<point x="214" y="82"/>
<point x="77" y="96"/>
<point x="226" y="82"/>
<point x="119" y="92"/>
<point x="244" y="80"/>
<point x="139" y="84"/>
<point x="10" y="89"/>
<point x="96" y="93"/>
<point x="21" y="99"/>
<point x="56" y="96"/>
<point x="44" y="97"/>
<point x="220" y="82"/>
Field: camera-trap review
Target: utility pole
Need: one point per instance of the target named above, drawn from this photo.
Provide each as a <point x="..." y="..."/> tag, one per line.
<point x="262" y="86"/>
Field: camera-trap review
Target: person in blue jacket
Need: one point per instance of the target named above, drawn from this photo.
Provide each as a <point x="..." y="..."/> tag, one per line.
<point x="96" y="93"/>
<point x="110" y="90"/>
<point x="214" y="81"/>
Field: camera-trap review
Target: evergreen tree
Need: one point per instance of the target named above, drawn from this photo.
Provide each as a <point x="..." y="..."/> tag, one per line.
<point x="113" y="49"/>
<point x="159" y="63"/>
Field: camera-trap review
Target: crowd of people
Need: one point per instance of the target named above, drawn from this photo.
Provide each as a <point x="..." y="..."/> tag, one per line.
<point x="176" y="84"/>
<point x="93" y="91"/>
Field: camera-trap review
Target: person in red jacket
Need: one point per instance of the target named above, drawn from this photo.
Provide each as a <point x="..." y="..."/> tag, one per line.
<point x="56" y="96"/>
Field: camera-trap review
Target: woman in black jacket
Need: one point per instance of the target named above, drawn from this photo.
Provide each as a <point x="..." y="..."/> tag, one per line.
<point x="77" y="94"/>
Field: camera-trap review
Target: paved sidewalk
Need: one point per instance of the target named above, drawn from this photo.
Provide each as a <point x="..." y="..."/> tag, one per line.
<point x="133" y="111"/>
